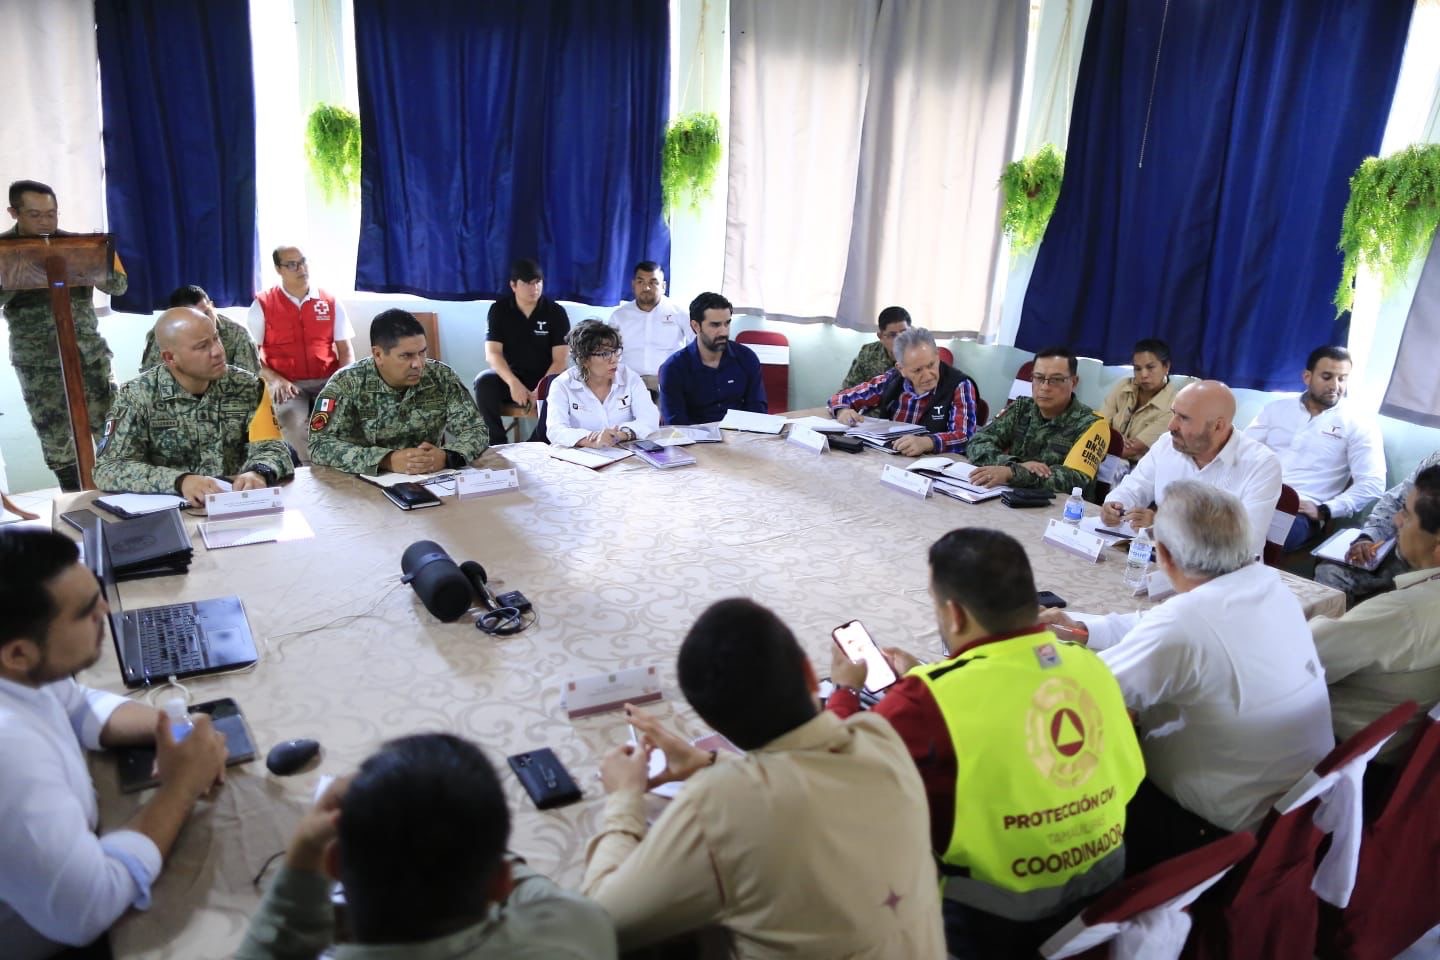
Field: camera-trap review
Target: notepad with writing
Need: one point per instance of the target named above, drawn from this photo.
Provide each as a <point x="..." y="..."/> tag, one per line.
<point x="1337" y="548"/>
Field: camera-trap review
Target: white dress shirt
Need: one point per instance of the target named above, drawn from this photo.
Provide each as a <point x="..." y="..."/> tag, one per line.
<point x="573" y="411"/>
<point x="255" y="319"/>
<point x="649" y="337"/>
<point x="60" y="883"/>
<point x="1320" y="454"/>
<point x="1243" y="467"/>
<point x="1383" y="652"/>
<point x="1229" y="691"/>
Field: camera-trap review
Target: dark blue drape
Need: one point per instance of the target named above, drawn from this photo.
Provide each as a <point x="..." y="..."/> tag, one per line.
<point x="512" y="128"/>
<point x="178" y="94"/>
<point x="1223" y="243"/>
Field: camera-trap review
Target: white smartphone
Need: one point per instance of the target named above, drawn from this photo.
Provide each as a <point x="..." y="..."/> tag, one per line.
<point x="857" y="644"/>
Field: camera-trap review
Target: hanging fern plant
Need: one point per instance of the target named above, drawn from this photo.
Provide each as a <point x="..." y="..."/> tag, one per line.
<point x="1391" y="217"/>
<point x="692" y="155"/>
<point x="1031" y="185"/>
<point x="332" y="141"/>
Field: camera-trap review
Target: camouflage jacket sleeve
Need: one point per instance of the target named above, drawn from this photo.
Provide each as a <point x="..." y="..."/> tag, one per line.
<point x="465" y="432"/>
<point x="122" y="460"/>
<point x="991" y="444"/>
<point x="239" y="348"/>
<point x="117" y="282"/>
<point x="337" y="436"/>
<point x="266" y="446"/>
<point x="1073" y="451"/>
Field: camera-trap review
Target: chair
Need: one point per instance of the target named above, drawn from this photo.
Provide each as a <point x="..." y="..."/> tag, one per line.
<point x="431" y="323"/>
<point x="542" y="393"/>
<point x="1114" y="467"/>
<point x="1022" y="387"/>
<point x="1394" y="902"/>
<point x="1145" y="917"/>
<point x="982" y="410"/>
<point x="773" y="350"/>
<point x="946" y="357"/>
<point x="1289" y="506"/>
<point x="1268" y="907"/>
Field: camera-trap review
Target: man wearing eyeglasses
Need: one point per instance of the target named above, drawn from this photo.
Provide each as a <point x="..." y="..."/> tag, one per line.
<point x="878" y="358"/>
<point x="304" y="337"/>
<point x="1049" y="439"/>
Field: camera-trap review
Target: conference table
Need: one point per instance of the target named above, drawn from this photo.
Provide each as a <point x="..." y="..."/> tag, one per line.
<point x="618" y="562"/>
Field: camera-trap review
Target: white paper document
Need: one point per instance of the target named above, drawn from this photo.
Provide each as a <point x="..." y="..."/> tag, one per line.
<point x="592" y="457"/>
<point x="139" y="504"/>
<point x="819" y="424"/>
<point x="245" y="531"/>
<point x="438" y="478"/>
<point x="753" y="422"/>
<point x="1121" y="531"/>
<point x="1337" y="548"/>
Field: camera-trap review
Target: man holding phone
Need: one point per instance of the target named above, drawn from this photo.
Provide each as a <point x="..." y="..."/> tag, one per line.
<point x="1028" y="755"/>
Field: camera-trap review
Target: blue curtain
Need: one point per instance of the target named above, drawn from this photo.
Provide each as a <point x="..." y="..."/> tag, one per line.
<point x="1223" y="241"/>
<point x="178" y="95"/>
<point x="512" y="128"/>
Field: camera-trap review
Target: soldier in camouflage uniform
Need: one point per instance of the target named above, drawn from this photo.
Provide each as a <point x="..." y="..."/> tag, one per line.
<point x="391" y="410"/>
<point x="239" y="348"/>
<point x="878" y="357"/>
<point x="1050" y="440"/>
<point x="190" y="419"/>
<point x="33" y="349"/>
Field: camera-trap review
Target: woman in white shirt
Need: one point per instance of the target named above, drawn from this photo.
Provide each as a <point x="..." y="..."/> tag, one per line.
<point x="598" y="401"/>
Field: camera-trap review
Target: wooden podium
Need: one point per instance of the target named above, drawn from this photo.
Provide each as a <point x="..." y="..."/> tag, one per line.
<point x="56" y="263"/>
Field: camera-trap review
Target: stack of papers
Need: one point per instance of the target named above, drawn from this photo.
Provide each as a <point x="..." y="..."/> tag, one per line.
<point x="820" y="424"/>
<point x="952" y="479"/>
<point x="882" y="433"/>
<point x="753" y="422"/>
<point x="684" y="436"/>
<point x="139" y="504"/>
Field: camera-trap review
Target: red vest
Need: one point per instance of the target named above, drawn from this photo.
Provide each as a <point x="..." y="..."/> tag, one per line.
<point x="299" y="341"/>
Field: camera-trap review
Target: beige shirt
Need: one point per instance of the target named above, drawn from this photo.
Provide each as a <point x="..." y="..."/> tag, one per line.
<point x="815" y="845"/>
<point x="1383" y="652"/>
<point x="1147" y="422"/>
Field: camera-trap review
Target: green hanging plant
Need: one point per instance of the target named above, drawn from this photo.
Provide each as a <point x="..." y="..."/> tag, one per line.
<point x="1393" y="210"/>
<point x="691" y="157"/>
<point x="1031" y="185"/>
<point x="332" y="141"/>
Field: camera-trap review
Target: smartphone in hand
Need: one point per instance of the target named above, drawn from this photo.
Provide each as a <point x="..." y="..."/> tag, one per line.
<point x="857" y="644"/>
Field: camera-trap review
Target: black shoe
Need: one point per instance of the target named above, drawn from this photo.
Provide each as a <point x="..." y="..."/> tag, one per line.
<point x="69" y="477"/>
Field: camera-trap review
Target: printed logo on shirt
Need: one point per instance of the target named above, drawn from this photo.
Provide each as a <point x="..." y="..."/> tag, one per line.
<point x="574" y="405"/>
<point x="325" y="405"/>
<point x="1047" y="656"/>
<point x="322" y="310"/>
<point x="1333" y="432"/>
<point x="540" y="330"/>
<point x="1063" y="732"/>
<point x="625" y="400"/>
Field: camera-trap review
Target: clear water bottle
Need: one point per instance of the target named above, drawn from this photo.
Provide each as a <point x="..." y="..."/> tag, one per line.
<point x="180" y="725"/>
<point x="1074" y="508"/>
<point x="1137" y="563"/>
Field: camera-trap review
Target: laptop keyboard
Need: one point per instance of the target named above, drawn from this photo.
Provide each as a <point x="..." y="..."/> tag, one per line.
<point x="169" y="641"/>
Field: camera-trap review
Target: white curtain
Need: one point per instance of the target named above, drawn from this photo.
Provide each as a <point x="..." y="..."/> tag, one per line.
<point x="799" y="75"/>
<point x="1414" y="392"/>
<point x="939" y="125"/>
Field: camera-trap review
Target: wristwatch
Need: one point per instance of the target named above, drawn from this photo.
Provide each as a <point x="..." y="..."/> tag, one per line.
<point x="266" y="472"/>
<point x="629" y="434"/>
<point x="454" y="460"/>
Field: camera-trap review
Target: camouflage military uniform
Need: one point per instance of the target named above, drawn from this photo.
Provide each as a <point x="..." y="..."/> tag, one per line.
<point x="239" y="348"/>
<point x="36" y="358"/>
<point x="160" y="432"/>
<point x="359" y="418"/>
<point x="872" y="360"/>
<point x="1020" y="433"/>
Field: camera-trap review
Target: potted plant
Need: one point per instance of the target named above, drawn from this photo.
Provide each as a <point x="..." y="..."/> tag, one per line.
<point x="691" y="157"/>
<point x="1391" y="216"/>
<point x="332" y="142"/>
<point x="1031" y="185"/>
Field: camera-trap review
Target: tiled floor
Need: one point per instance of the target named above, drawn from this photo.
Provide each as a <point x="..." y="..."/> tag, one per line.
<point x="36" y="501"/>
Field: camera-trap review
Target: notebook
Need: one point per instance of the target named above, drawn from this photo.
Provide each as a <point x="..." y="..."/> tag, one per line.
<point x="178" y="640"/>
<point x="1338" y="546"/>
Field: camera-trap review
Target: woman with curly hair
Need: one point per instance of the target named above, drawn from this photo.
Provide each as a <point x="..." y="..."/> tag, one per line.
<point x="598" y="401"/>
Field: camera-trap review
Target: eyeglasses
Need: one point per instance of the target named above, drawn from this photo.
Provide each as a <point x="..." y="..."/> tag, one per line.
<point x="293" y="264"/>
<point x="1057" y="381"/>
<point x="605" y="356"/>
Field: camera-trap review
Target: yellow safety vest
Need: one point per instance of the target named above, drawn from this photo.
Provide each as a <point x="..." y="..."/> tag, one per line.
<point x="1046" y="760"/>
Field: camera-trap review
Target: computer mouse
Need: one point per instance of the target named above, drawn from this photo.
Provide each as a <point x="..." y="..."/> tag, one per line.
<point x="290" y="756"/>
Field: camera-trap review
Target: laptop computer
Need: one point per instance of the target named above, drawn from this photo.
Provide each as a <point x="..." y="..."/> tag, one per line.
<point x="177" y="640"/>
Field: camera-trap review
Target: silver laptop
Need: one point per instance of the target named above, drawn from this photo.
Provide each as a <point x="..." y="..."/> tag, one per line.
<point x="177" y="640"/>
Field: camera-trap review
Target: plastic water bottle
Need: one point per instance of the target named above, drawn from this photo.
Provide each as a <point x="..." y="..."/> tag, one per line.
<point x="180" y="725"/>
<point x="1137" y="564"/>
<point x="1074" y="508"/>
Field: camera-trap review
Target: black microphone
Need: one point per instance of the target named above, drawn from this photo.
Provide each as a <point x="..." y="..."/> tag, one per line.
<point x="443" y="588"/>
<point x="476" y="575"/>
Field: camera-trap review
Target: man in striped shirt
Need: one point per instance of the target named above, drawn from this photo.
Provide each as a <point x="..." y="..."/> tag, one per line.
<point x="921" y="389"/>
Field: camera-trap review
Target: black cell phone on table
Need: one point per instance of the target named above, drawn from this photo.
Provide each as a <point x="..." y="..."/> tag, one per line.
<point x="1048" y="599"/>
<point x="410" y="496"/>
<point x="545" y="778"/>
<point x="136" y="765"/>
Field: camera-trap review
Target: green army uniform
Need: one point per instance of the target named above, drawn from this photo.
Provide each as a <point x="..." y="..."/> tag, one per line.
<point x="160" y="432"/>
<point x="36" y="359"/>
<point x="239" y="348"/>
<point x="359" y="418"/>
<point x="872" y="360"/>
<point x="1072" y="445"/>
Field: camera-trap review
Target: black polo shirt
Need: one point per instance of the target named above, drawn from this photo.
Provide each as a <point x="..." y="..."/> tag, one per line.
<point x="526" y="342"/>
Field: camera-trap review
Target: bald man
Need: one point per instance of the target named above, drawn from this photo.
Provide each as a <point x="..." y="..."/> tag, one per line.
<point x="181" y="426"/>
<point x="1203" y="445"/>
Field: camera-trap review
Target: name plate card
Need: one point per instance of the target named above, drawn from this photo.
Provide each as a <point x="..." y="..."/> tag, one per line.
<point x="483" y="483"/>
<point x="600" y="692"/>
<point x="812" y="440"/>
<point x="1074" y="540"/>
<point x="243" y="503"/>
<point x="906" y="481"/>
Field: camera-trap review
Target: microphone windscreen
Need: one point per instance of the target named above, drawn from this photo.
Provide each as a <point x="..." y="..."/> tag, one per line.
<point x="442" y="587"/>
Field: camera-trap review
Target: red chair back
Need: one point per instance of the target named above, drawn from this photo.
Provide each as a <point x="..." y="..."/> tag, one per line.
<point x="774" y="354"/>
<point x="982" y="410"/>
<point x="1288" y="503"/>
<point x="946" y="356"/>
<point x="1394" y="901"/>
<point x="1117" y="444"/>
<point x="542" y="389"/>
<point x="1022" y="385"/>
